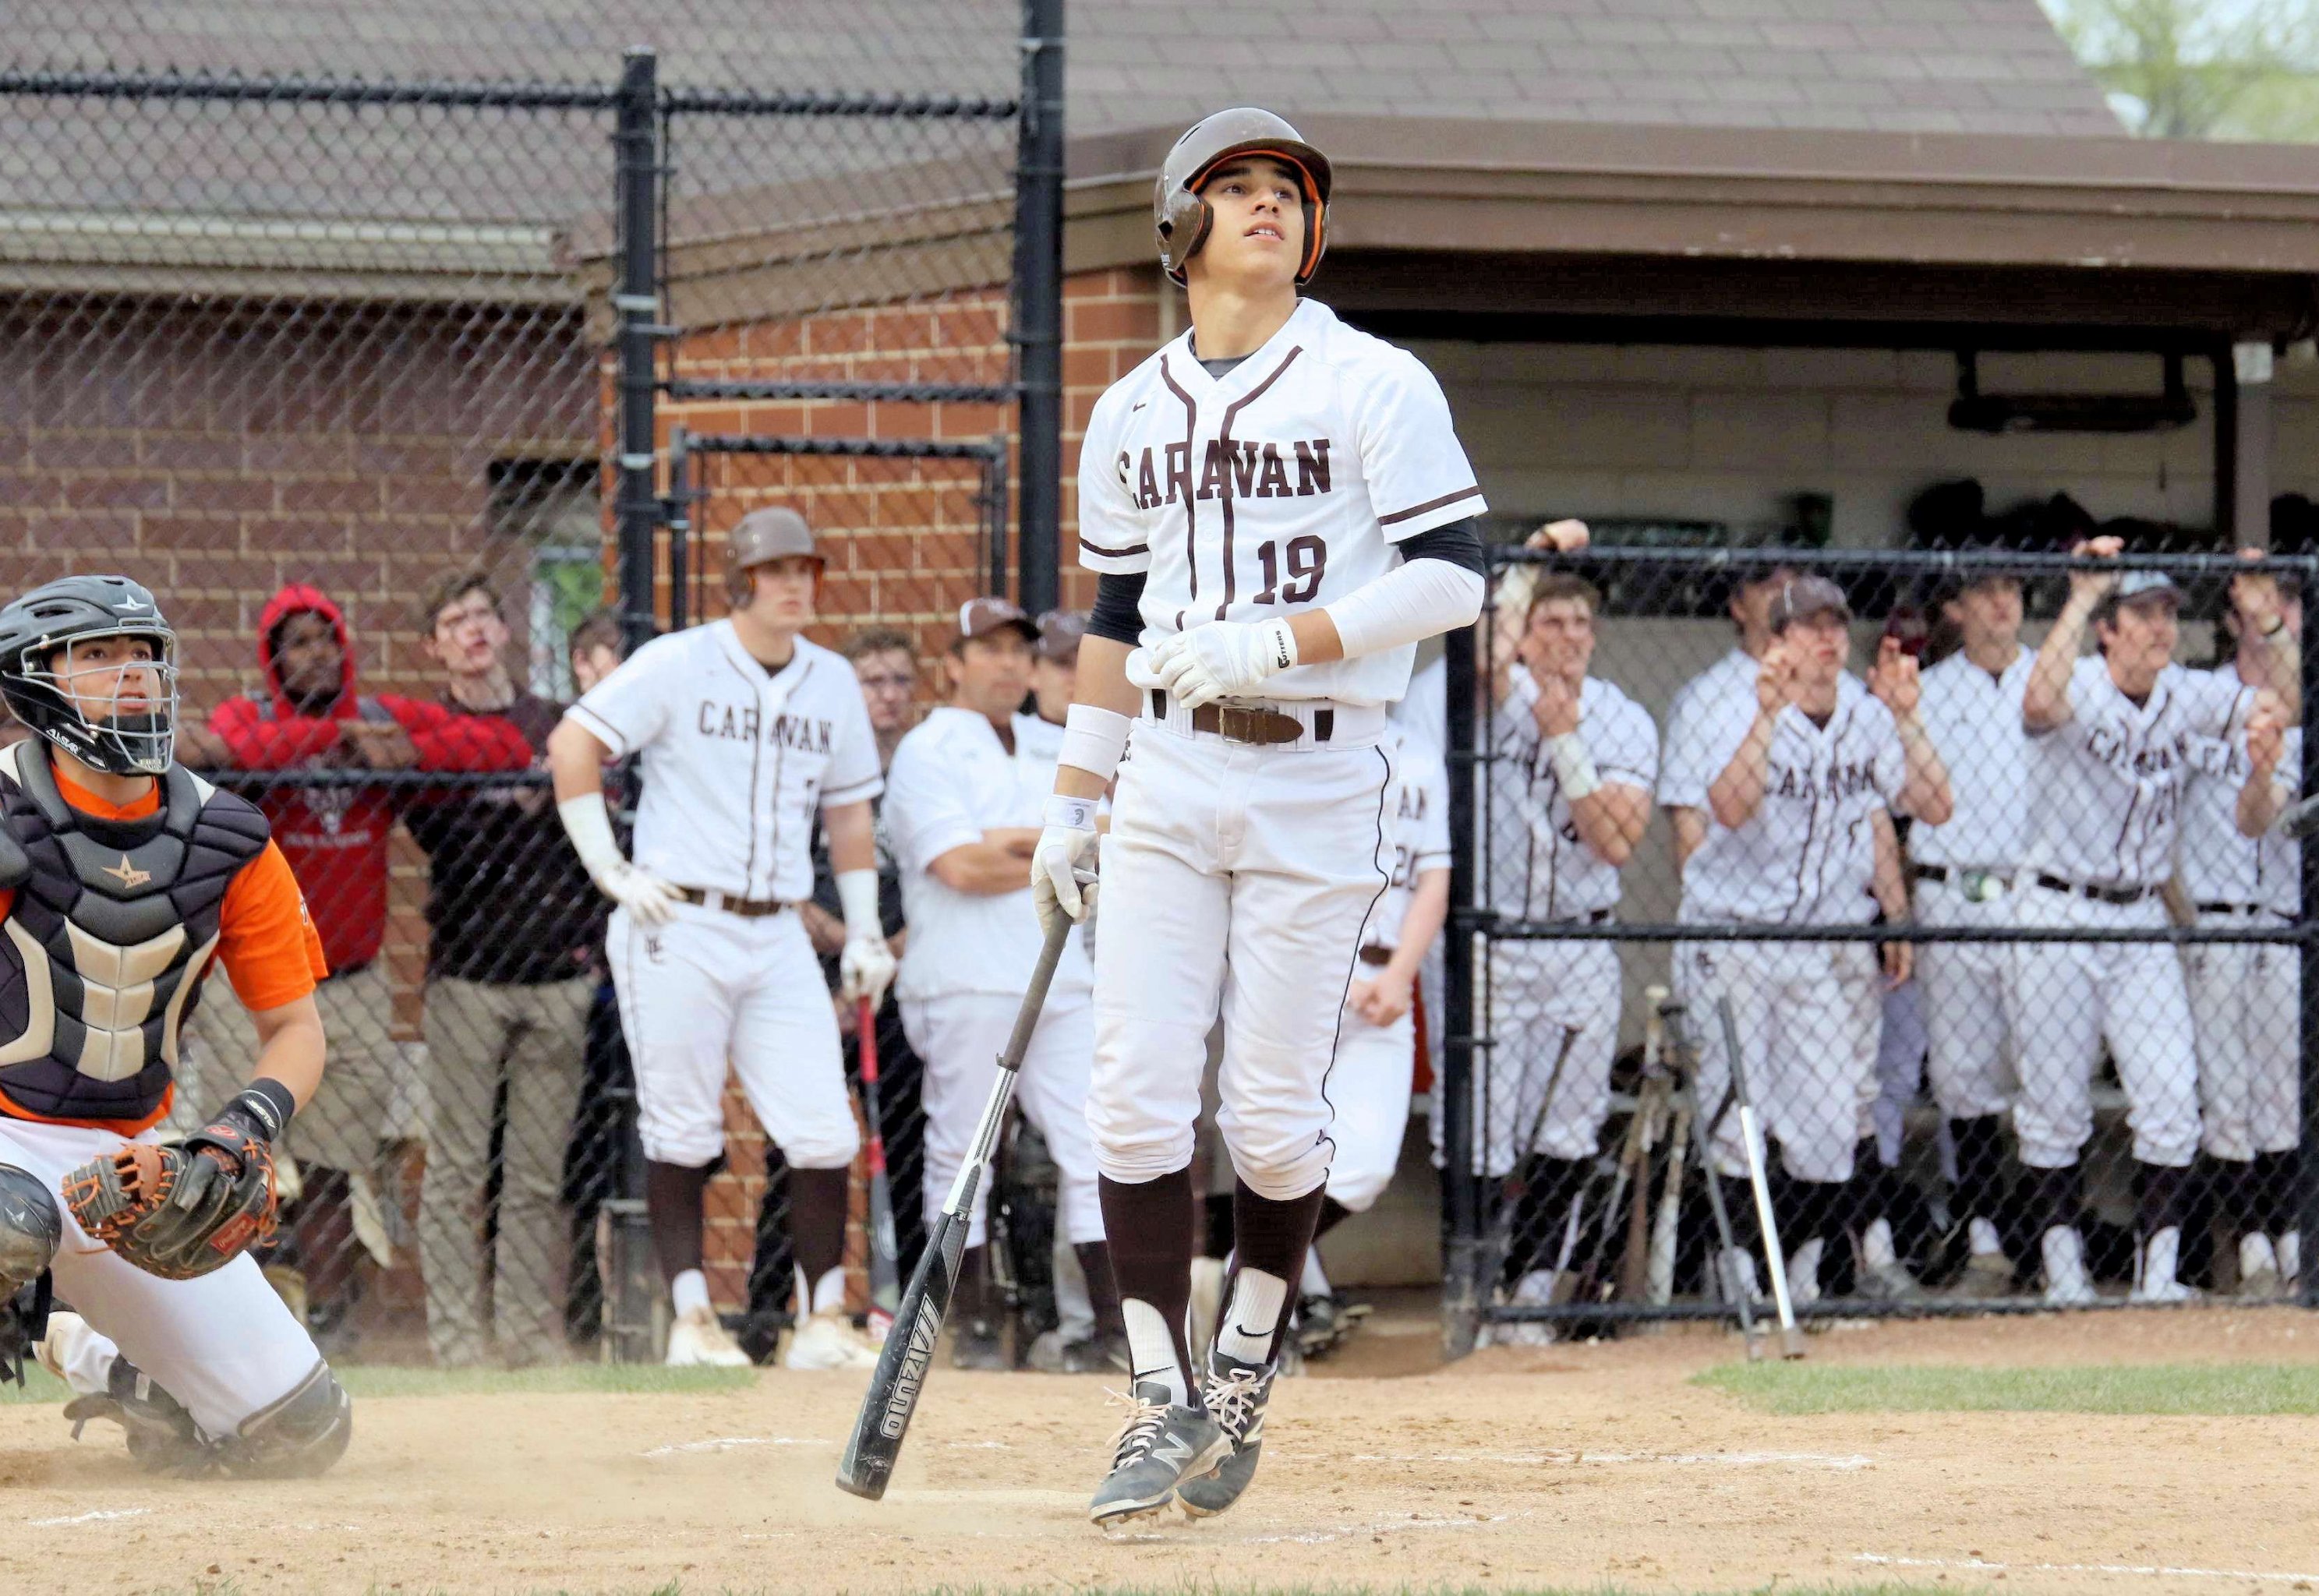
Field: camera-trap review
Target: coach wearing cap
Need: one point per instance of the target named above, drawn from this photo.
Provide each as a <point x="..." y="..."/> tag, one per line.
<point x="964" y="812"/>
<point x="2109" y="756"/>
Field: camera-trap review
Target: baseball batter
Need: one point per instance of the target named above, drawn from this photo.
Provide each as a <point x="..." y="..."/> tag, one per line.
<point x="1799" y="833"/>
<point x="1574" y="763"/>
<point x="2247" y="997"/>
<point x="2109" y="744"/>
<point x="1968" y="872"/>
<point x="744" y="730"/>
<point x="124" y="879"/>
<point x="1279" y="510"/>
<point x="963" y="800"/>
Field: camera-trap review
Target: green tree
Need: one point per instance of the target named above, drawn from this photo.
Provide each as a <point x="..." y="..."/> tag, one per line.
<point x="2202" y="68"/>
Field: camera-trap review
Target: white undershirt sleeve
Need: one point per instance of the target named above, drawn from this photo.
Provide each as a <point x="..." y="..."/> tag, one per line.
<point x="1420" y="599"/>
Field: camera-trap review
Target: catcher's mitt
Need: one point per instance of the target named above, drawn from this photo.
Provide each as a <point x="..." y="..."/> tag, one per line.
<point x="178" y="1209"/>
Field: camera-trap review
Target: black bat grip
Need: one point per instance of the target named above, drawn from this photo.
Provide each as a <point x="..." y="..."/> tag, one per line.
<point x="1034" y="995"/>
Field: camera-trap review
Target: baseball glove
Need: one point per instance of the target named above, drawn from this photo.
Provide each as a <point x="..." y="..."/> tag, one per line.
<point x="178" y="1209"/>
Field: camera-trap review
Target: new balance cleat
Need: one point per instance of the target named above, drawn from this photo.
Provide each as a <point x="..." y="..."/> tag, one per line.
<point x="1160" y="1445"/>
<point x="1236" y="1393"/>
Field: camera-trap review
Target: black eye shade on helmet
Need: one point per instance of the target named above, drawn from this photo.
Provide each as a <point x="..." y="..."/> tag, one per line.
<point x="46" y="692"/>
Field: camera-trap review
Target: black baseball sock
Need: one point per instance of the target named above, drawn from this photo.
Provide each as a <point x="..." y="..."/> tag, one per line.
<point x="2158" y="1198"/>
<point x="817" y="1222"/>
<point x="969" y="1300"/>
<point x="1102" y="1284"/>
<point x="2056" y="1197"/>
<point x="1333" y="1214"/>
<point x="1150" y="1226"/>
<point x="2278" y="1191"/>
<point x="1979" y="1142"/>
<point x="672" y="1194"/>
<point x="1267" y="1261"/>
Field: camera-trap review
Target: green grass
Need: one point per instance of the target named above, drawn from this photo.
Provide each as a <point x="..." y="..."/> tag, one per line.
<point x="1800" y="1388"/>
<point x="381" y="1379"/>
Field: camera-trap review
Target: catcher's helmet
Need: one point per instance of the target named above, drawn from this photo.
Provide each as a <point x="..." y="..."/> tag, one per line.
<point x="764" y="536"/>
<point x="81" y="610"/>
<point x="1182" y="218"/>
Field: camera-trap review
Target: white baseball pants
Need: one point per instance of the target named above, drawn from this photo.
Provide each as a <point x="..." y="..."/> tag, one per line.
<point x="1808" y="1017"/>
<point x="2076" y="996"/>
<point x="1969" y="1002"/>
<point x="1541" y="995"/>
<point x="224" y="1345"/>
<point x="710" y="987"/>
<point x="2247" y="999"/>
<point x="1240" y="877"/>
<point x="958" y="1037"/>
<point x="1376" y="1067"/>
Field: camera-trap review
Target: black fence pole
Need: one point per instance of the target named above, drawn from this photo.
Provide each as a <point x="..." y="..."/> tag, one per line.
<point x="1039" y="304"/>
<point x="2307" y="1163"/>
<point x="1462" y="1250"/>
<point x="636" y="303"/>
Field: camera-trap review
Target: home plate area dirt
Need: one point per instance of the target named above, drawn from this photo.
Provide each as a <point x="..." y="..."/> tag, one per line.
<point x="1595" y="1466"/>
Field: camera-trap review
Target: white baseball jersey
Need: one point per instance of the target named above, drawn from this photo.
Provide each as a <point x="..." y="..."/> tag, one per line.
<point x="1421" y="838"/>
<point x="2106" y="785"/>
<point x="1539" y="869"/>
<point x="1974" y="722"/>
<point x="1807" y="855"/>
<point x="735" y="757"/>
<point x="951" y="780"/>
<point x="1277" y="487"/>
<point x="2217" y="865"/>
<point x="1700" y="709"/>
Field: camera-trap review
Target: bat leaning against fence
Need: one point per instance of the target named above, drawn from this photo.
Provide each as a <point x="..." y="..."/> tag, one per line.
<point x="900" y="1376"/>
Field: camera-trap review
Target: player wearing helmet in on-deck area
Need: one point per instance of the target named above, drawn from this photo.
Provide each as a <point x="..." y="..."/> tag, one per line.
<point x="1279" y="510"/>
<point x="124" y="877"/>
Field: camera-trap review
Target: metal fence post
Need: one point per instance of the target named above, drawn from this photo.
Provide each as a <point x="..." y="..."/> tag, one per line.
<point x="636" y="303"/>
<point x="1463" y="1250"/>
<point x="1039" y="304"/>
<point x="2307" y="958"/>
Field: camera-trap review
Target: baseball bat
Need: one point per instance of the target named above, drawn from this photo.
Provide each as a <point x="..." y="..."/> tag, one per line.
<point x="2298" y="819"/>
<point x="1502" y="1222"/>
<point x="1726" y="1244"/>
<point x="1658" y="1262"/>
<point x="1634" y="1264"/>
<point x="885" y="1255"/>
<point x="1791" y="1340"/>
<point x="900" y="1378"/>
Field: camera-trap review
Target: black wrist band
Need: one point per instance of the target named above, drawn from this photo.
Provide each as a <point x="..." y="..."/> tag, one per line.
<point x="264" y="1106"/>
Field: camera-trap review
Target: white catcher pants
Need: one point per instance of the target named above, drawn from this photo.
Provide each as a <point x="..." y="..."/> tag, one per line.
<point x="2076" y="996"/>
<point x="224" y="1345"/>
<point x="959" y="1036"/>
<point x="710" y="987"/>
<point x="1970" y="1001"/>
<point x="1808" y="1017"/>
<point x="2247" y="999"/>
<point x="1239" y="877"/>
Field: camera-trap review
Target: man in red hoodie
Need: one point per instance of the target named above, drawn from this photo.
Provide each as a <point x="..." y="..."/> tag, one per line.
<point x="310" y="732"/>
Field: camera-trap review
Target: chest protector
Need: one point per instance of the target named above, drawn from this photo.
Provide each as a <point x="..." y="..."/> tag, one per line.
<point x="113" y="923"/>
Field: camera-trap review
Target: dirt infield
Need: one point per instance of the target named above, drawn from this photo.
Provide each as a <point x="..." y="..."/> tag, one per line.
<point x="1584" y="1465"/>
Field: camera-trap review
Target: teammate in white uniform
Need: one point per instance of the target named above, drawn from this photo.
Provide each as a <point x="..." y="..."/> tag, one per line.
<point x="1722" y="695"/>
<point x="745" y="729"/>
<point x="2246" y="997"/>
<point x="2109" y="755"/>
<point x="1968" y="872"/>
<point x="1574" y="763"/>
<point x="1799" y="833"/>
<point x="1376" y="1050"/>
<point x="963" y="805"/>
<point x="1279" y="510"/>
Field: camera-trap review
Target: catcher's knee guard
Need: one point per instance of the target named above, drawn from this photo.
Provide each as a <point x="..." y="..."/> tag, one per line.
<point x="30" y="1228"/>
<point x="296" y="1438"/>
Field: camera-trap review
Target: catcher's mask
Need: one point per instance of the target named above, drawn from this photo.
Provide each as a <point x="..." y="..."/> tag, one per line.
<point x="120" y="718"/>
<point x="761" y="538"/>
<point x="1182" y="218"/>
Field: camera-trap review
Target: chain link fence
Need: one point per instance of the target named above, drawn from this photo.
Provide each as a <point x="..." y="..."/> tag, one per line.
<point x="1820" y="953"/>
<point x="420" y="372"/>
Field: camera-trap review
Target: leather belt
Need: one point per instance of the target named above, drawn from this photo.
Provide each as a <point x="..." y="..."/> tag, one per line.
<point x="1941" y="873"/>
<point x="1373" y="954"/>
<point x="748" y="908"/>
<point x="2249" y="909"/>
<point x="2120" y="895"/>
<point x="1250" y="724"/>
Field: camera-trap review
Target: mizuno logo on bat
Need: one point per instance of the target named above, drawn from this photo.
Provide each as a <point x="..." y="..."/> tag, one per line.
<point x="923" y="1334"/>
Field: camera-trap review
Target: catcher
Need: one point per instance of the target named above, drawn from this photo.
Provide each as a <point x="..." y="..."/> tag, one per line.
<point x="123" y="877"/>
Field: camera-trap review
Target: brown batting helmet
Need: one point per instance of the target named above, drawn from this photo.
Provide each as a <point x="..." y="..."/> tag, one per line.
<point x="1182" y="218"/>
<point x="764" y="536"/>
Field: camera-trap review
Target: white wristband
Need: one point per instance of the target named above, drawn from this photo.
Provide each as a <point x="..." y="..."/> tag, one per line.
<point x="589" y="824"/>
<point x="857" y="890"/>
<point x="1076" y="814"/>
<point x="1574" y="766"/>
<point x="1094" y="740"/>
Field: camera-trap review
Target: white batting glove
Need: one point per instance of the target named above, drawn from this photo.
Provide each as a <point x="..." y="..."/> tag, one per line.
<point x="649" y="900"/>
<point x="1221" y="659"/>
<point x="865" y="968"/>
<point x="1066" y="847"/>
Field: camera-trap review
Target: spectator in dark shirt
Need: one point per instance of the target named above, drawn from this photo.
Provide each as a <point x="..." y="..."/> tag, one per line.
<point x="514" y="919"/>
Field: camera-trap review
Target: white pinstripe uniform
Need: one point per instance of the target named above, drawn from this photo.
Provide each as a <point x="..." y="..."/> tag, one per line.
<point x="2105" y="803"/>
<point x="736" y="760"/>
